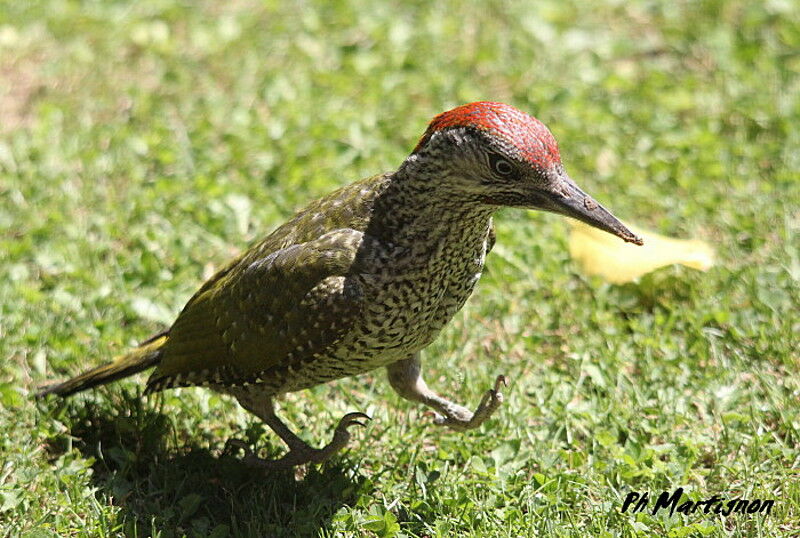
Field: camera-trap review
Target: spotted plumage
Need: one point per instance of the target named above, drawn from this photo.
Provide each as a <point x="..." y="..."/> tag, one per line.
<point x="365" y="277"/>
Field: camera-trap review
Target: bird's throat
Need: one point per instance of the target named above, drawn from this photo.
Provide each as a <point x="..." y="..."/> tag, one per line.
<point x="412" y="213"/>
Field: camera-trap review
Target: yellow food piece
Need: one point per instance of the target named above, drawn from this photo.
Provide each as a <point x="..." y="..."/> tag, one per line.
<point x="599" y="253"/>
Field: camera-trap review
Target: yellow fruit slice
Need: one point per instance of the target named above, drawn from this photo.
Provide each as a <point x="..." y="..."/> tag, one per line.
<point x="599" y="253"/>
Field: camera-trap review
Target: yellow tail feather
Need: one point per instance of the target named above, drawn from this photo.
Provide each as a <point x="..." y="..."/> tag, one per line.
<point x="143" y="357"/>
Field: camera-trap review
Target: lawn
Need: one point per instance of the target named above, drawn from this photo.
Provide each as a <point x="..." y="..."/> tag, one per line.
<point x="143" y="144"/>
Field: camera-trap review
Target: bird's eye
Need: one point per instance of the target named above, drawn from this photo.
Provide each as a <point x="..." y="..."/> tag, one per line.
<point x="500" y="166"/>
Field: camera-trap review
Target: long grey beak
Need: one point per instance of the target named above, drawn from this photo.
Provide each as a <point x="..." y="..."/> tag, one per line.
<point x="566" y="198"/>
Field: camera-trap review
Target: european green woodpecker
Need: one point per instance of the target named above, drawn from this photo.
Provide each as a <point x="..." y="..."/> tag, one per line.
<point x="365" y="277"/>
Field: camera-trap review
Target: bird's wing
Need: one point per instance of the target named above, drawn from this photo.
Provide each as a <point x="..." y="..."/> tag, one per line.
<point x="275" y="312"/>
<point x="306" y="225"/>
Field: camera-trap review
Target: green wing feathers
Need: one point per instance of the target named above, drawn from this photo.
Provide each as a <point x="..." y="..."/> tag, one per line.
<point x="259" y="315"/>
<point x="143" y="357"/>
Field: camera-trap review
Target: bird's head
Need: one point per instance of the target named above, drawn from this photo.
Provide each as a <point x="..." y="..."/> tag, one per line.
<point x="497" y="155"/>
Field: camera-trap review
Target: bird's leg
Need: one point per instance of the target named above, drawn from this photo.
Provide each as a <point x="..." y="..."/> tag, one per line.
<point x="300" y="452"/>
<point x="406" y="378"/>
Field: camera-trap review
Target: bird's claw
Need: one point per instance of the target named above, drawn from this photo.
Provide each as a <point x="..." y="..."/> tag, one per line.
<point x="461" y="419"/>
<point x="350" y="419"/>
<point x="501" y="380"/>
<point x="302" y="453"/>
<point x="340" y="437"/>
<point x="491" y="400"/>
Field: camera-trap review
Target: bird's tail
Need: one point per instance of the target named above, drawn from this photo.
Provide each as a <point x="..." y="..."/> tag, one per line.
<point x="147" y="355"/>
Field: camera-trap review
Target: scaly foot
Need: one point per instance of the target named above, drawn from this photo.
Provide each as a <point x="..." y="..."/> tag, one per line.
<point x="303" y="453"/>
<point x="460" y="418"/>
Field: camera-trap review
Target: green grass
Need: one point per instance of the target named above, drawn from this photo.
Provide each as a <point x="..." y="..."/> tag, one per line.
<point x="142" y="144"/>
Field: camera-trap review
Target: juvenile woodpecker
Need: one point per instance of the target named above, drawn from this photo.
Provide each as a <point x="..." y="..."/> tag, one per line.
<point x="365" y="277"/>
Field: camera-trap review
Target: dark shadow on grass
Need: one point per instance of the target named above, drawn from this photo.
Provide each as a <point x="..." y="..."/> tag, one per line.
<point x="192" y="490"/>
<point x="666" y="286"/>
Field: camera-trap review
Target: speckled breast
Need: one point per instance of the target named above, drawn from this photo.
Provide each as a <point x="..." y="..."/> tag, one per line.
<point x="407" y="305"/>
